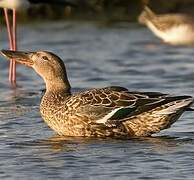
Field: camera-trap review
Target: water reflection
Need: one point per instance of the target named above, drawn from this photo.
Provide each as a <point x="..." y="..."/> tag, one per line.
<point x="159" y="144"/>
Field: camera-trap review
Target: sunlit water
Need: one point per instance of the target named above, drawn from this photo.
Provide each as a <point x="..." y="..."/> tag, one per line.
<point x="95" y="56"/>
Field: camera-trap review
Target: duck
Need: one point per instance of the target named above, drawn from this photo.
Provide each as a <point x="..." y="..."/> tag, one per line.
<point x="112" y="111"/>
<point x="174" y="29"/>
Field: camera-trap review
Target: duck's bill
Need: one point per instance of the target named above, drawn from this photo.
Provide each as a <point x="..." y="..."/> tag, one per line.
<point x="19" y="56"/>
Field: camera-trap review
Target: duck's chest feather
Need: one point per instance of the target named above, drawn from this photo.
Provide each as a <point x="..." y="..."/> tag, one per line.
<point x="59" y="116"/>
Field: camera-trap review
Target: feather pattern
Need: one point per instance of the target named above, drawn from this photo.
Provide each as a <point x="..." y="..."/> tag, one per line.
<point x="111" y="111"/>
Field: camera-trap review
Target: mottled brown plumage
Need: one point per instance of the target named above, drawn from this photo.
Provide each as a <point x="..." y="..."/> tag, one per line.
<point x="110" y="111"/>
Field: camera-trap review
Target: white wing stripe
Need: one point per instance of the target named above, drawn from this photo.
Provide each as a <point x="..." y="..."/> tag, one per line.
<point x="108" y="116"/>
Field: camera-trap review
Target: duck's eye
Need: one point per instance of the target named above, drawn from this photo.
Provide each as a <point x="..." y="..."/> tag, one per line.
<point x="45" y="58"/>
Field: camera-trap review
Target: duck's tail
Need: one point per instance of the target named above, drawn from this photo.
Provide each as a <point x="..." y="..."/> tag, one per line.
<point x="146" y="15"/>
<point x="159" y="118"/>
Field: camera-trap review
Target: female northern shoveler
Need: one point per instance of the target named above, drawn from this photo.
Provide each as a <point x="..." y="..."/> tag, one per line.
<point x="176" y="29"/>
<point x="109" y="111"/>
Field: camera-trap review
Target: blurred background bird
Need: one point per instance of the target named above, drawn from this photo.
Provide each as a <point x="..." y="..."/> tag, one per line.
<point x="176" y="29"/>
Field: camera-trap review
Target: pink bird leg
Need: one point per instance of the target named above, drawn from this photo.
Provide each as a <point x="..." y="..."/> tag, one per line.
<point x="12" y="43"/>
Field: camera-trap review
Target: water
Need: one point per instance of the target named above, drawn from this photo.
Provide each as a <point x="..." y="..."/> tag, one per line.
<point x="95" y="55"/>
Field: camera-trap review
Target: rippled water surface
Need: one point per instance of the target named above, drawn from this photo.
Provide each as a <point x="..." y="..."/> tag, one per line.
<point x="95" y="55"/>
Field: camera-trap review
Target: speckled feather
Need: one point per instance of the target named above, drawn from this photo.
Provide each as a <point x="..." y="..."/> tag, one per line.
<point x="78" y="115"/>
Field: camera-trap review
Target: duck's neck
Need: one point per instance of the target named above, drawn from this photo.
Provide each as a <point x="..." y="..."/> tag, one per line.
<point x="58" y="86"/>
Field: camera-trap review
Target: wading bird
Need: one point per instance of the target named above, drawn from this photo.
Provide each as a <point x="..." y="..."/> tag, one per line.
<point x="100" y="112"/>
<point x="175" y="29"/>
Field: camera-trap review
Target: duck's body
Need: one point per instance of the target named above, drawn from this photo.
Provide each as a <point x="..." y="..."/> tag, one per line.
<point x="176" y="29"/>
<point x="110" y="111"/>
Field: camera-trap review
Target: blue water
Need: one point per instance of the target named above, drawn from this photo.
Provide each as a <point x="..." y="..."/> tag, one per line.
<point x="95" y="55"/>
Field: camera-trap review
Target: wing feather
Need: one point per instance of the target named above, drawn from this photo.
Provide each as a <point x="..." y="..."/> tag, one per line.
<point x="114" y="104"/>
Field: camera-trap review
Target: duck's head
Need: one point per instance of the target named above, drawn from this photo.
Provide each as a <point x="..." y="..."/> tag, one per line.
<point x="48" y="65"/>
